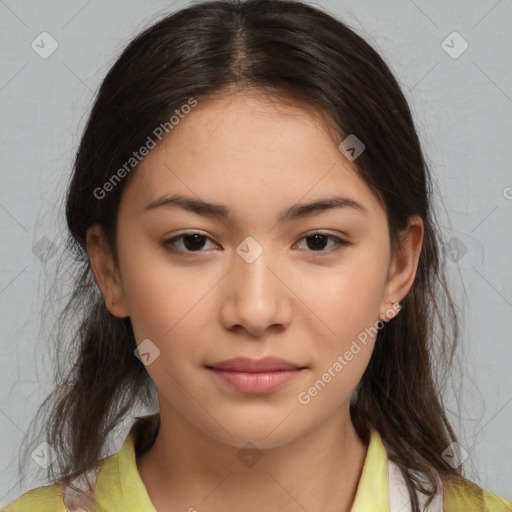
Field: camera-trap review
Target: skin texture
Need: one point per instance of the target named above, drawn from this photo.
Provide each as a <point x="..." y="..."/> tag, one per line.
<point x="301" y="301"/>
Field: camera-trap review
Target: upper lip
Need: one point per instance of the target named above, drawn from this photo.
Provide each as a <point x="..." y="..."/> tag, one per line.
<point x="246" y="364"/>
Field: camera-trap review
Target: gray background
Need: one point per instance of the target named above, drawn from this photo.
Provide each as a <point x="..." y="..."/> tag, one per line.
<point x="462" y="108"/>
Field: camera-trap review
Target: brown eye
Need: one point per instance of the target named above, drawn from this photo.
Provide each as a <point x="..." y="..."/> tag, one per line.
<point x="316" y="242"/>
<point x="191" y="242"/>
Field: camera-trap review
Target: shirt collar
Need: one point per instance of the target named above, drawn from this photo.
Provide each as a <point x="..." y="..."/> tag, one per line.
<point x="119" y="480"/>
<point x="372" y="490"/>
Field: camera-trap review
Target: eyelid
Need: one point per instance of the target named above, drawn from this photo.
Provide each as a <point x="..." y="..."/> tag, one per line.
<point x="340" y="242"/>
<point x="169" y="241"/>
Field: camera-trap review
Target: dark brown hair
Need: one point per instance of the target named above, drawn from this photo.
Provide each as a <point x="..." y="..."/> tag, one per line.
<point x="293" y="51"/>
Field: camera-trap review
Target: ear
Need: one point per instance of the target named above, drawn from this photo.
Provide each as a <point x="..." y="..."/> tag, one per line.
<point x="106" y="272"/>
<point x="404" y="263"/>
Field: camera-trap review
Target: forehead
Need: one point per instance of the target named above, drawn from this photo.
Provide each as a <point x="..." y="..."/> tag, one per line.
<point x="251" y="151"/>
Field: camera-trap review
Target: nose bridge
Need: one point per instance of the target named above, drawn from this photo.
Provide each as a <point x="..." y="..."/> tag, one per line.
<point x="253" y="279"/>
<point x="257" y="296"/>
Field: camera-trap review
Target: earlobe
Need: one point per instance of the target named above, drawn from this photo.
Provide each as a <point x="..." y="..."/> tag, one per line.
<point x="404" y="263"/>
<point x="105" y="271"/>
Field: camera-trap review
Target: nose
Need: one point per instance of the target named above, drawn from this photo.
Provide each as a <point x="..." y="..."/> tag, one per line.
<point x="256" y="296"/>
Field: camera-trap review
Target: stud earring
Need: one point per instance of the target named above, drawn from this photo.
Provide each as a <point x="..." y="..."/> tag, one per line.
<point x="390" y="313"/>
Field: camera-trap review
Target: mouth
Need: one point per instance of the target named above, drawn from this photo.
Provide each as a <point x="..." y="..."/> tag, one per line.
<point x="253" y="376"/>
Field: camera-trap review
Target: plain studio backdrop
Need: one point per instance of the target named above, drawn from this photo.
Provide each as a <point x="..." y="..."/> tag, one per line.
<point x="452" y="61"/>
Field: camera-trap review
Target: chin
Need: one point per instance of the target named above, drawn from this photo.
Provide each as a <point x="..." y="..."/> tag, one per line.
<point x="263" y="435"/>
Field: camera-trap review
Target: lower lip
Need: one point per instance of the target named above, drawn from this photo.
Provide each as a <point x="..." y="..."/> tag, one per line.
<point x="254" y="383"/>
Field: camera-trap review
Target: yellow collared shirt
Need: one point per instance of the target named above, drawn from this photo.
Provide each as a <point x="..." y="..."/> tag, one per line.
<point x="119" y="488"/>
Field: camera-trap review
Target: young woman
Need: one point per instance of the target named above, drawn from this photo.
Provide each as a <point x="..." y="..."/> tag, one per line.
<point x="252" y="218"/>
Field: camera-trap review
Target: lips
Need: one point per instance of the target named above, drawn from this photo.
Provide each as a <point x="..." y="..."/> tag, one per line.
<point x="253" y="376"/>
<point x="248" y="365"/>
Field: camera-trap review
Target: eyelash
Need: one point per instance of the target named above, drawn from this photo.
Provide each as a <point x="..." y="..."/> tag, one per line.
<point x="340" y="243"/>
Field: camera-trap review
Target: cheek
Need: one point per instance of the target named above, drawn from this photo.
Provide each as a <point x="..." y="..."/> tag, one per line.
<point x="347" y="328"/>
<point x="348" y="299"/>
<point x="347" y="304"/>
<point x="158" y="296"/>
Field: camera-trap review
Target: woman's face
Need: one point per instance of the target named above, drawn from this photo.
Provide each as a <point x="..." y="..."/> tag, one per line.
<point x="256" y="283"/>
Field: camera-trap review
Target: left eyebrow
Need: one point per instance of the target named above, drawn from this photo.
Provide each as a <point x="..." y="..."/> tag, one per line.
<point x="200" y="207"/>
<point x="338" y="202"/>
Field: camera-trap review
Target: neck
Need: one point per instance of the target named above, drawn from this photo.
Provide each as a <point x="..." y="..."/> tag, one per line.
<point x="186" y="469"/>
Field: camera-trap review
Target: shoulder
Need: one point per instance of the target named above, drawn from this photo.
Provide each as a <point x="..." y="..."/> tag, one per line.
<point x="42" y="499"/>
<point x="464" y="495"/>
<point x="495" y="503"/>
<point x="110" y="471"/>
<point x="108" y="474"/>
